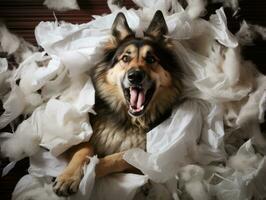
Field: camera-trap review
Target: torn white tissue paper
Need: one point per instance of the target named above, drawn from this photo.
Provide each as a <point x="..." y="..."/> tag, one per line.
<point x="68" y="116"/>
<point x="21" y="50"/>
<point x="87" y="183"/>
<point x="57" y="125"/>
<point x="15" y="45"/>
<point x="245" y="160"/>
<point x="189" y="135"/>
<point x="86" y="98"/>
<point x="3" y="65"/>
<point x="9" y="167"/>
<point x="254" y="108"/>
<point x="70" y="58"/>
<point x="232" y="188"/>
<point x="167" y="6"/>
<point x="118" y="186"/>
<point x="56" y="37"/>
<point x="62" y="126"/>
<point x="13" y="105"/>
<point x="114" y="5"/>
<point x="257" y="183"/>
<point x="3" y="137"/>
<point x="24" y="142"/>
<point x="55" y="86"/>
<point x="227" y="78"/>
<point x="196" y="8"/>
<point x="192" y="178"/>
<point x="169" y="145"/>
<point x="52" y="166"/>
<point x="62" y="5"/>
<point x="240" y="184"/>
<point x="221" y="32"/>
<point x="75" y="44"/>
<point x="257" y="136"/>
<point x="80" y="94"/>
<point x="31" y="187"/>
<point x="32" y="76"/>
<point x="262" y="107"/>
<point x="9" y="42"/>
<point x="172" y="186"/>
<point x="200" y="34"/>
<point x="4" y="75"/>
<point x="210" y="146"/>
<point x="24" y="51"/>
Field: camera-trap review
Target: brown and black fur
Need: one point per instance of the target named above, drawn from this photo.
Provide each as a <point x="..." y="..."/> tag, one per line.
<point x="114" y="129"/>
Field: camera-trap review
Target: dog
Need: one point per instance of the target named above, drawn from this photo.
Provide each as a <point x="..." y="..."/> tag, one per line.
<point x="137" y="84"/>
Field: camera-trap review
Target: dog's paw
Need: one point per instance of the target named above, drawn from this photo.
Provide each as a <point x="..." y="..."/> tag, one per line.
<point x="67" y="183"/>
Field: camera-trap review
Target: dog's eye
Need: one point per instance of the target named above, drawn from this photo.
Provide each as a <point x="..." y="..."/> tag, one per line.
<point x="150" y="60"/>
<point x="126" y="58"/>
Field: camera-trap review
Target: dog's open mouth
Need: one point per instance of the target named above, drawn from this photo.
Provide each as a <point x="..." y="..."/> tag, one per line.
<point x="138" y="99"/>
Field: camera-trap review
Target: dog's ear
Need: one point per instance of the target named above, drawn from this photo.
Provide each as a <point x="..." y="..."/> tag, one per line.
<point x="158" y="27"/>
<point x="120" y="28"/>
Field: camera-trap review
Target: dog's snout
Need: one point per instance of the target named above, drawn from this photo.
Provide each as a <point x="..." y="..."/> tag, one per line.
<point x="136" y="76"/>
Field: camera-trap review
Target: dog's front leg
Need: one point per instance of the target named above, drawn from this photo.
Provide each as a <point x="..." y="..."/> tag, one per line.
<point x="68" y="182"/>
<point x="112" y="164"/>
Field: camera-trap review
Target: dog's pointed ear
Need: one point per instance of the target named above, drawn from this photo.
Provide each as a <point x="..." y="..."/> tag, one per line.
<point x="158" y="27"/>
<point x="120" y="28"/>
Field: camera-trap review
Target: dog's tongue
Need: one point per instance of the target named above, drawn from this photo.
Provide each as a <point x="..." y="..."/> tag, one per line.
<point x="137" y="98"/>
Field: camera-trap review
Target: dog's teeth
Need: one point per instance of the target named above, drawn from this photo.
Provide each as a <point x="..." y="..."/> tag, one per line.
<point x="142" y="107"/>
<point x="131" y="108"/>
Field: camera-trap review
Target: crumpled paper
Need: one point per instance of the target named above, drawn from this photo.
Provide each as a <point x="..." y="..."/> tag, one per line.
<point x="14" y="101"/>
<point x="185" y="135"/>
<point x="62" y="5"/>
<point x="224" y="101"/>
<point x="247" y="179"/>
<point x="67" y="118"/>
<point x="13" y="105"/>
<point x="14" y="45"/>
<point x="191" y="180"/>
<point x="38" y="183"/>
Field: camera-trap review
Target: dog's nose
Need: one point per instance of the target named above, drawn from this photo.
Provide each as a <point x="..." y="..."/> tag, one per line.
<point x="136" y="76"/>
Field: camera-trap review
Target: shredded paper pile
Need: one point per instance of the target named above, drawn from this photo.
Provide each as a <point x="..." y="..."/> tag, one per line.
<point x="211" y="147"/>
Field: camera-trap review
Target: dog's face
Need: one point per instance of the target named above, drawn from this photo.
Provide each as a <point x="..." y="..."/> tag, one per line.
<point x="139" y="75"/>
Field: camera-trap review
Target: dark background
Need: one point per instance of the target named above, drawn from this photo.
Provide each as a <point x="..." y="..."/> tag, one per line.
<point x="21" y="17"/>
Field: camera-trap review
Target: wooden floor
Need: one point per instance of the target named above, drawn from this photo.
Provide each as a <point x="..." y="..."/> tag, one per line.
<point x="21" y="17"/>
